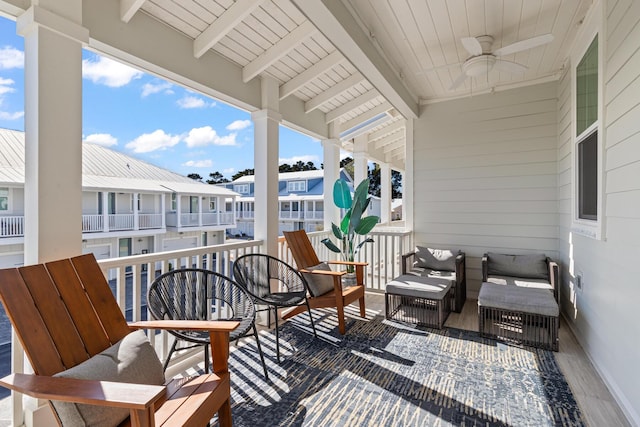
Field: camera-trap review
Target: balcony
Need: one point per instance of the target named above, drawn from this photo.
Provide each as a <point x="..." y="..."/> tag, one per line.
<point x="206" y="219"/>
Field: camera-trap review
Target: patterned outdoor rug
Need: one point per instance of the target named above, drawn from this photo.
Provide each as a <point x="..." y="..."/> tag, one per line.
<point x="384" y="373"/>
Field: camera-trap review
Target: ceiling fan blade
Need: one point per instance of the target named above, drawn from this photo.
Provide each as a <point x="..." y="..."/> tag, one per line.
<point x="472" y="45"/>
<point x="508" y="66"/>
<point x="524" y="45"/>
<point x="457" y="82"/>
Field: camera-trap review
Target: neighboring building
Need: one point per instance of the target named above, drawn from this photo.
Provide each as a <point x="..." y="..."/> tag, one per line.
<point x="129" y="206"/>
<point x="301" y="201"/>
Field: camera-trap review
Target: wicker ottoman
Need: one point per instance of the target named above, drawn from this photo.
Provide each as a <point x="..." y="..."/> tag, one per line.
<point x="418" y="299"/>
<point x="528" y="316"/>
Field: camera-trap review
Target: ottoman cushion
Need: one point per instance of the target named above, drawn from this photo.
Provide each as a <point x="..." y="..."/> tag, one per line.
<point x="518" y="281"/>
<point x="419" y="286"/>
<point x="515" y="298"/>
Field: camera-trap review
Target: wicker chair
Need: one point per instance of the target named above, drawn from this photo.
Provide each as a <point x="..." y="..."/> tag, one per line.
<point x="197" y="294"/>
<point x="256" y="273"/>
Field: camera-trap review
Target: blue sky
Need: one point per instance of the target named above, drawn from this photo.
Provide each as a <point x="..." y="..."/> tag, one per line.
<point x="149" y="118"/>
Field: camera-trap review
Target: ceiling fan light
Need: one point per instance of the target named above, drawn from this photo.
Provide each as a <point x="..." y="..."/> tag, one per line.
<point x="479" y="65"/>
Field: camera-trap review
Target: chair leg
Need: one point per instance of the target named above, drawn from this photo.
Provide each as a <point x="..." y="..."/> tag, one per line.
<point x="206" y="358"/>
<point x="341" y="324"/>
<point x="277" y="336"/>
<point x="173" y="349"/>
<point x="264" y="365"/>
<point x="313" y="326"/>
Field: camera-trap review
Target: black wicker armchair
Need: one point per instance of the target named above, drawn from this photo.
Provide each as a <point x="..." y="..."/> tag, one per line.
<point x="197" y="294"/>
<point x="261" y="274"/>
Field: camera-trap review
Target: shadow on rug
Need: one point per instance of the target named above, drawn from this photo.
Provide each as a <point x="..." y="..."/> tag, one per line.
<point x="383" y="373"/>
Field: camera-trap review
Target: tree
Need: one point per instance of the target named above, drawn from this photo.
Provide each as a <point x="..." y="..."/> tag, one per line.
<point x="396" y="184"/>
<point x="216" y="178"/>
<point x="243" y="173"/>
<point x="195" y="177"/>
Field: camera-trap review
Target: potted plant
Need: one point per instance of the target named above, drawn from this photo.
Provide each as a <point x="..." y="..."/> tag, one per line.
<point x="353" y="223"/>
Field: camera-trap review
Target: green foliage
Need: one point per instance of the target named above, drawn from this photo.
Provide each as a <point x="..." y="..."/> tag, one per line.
<point x="353" y="223"/>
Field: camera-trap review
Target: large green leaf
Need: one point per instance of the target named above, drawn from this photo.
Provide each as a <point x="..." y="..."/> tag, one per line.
<point x="336" y="231"/>
<point x="356" y="214"/>
<point x="362" y="191"/>
<point x="329" y="244"/>
<point x="344" y="224"/>
<point x="367" y="240"/>
<point x="366" y="224"/>
<point x="341" y="194"/>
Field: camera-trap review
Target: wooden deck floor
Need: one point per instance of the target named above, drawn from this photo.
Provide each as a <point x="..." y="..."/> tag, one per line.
<point x="593" y="397"/>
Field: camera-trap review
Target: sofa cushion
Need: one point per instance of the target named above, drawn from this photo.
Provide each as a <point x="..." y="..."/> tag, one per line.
<point x="522" y="282"/>
<point x="436" y="259"/>
<point x="418" y="286"/>
<point x="533" y="266"/>
<point x="513" y="298"/>
<point x="319" y="284"/>
<point x="130" y="360"/>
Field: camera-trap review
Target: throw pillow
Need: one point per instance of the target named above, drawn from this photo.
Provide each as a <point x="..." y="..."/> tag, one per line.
<point x="130" y="360"/>
<point x="436" y="259"/>
<point x="532" y="266"/>
<point x="319" y="284"/>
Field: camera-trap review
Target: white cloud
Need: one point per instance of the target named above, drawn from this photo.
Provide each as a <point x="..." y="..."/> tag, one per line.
<point x="239" y="125"/>
<point x="11" y="116"/>
<point x="148" y="142"/>
<point x="5" y="86"/>
<point x="108" y="72"/>
<point x="151" y="88"/>
<point x="104" y="139"/>
<point x="199" y="163"/>
<point x="303" y="159"/>
<point x="193" y="102"/>
<point x="200" y="137"/>
<point x="10" y="57"/>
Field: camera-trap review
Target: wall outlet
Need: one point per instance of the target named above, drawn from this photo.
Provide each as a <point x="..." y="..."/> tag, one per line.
<point x="579" y="281"/>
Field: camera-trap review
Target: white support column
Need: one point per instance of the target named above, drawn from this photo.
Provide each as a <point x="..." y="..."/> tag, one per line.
<point x="105" y="211"/>
<point x="407" y="178"/>
<point x="178" y="211"/>
<point x="199" y="211"/>
<point x="136" y="212"/>
<point x="266" y="150"/>
<point x="331" y="162"/>
<point x="53" y="40"/>
<point x="385" y="193"/>
<point x="360" y="167"/>
<point x="163" y="210"/>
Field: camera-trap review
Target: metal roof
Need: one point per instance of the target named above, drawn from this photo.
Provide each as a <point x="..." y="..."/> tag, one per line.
<point x="105" y="169"/>
<point x="285" y="176"/>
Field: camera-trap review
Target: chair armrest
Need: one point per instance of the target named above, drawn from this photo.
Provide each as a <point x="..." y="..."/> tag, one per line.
<point x="324" y="272"/>
<point x="461" y="261"/>
<point x="101" y="393"/>
<point x="356" y="263"/>
<point x="553" y="276"/>
<point x="187" y="325"/>
<point x="485" y="267"/>
<point x="405" y="259"/>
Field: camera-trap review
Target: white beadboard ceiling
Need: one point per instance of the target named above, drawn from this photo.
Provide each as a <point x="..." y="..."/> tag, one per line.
<point x="414" y="46"/>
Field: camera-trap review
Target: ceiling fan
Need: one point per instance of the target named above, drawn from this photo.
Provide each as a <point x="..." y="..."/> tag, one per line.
<point x="483" y="60"/>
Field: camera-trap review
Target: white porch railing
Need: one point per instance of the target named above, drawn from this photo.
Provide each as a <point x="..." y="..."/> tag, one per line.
<point x="11" y="226"/>
<point x="92" y="223"/>
<point x="149" y="220"/>
<point x="226" y="218"/>
<point x="189" y="219"/>
<point x="291" y="214"/>
<point x="121" y="222"/>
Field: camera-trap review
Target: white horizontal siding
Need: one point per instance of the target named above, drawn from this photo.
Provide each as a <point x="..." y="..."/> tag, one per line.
<point x="604" y="312"/>
<point x="486" y="175"/>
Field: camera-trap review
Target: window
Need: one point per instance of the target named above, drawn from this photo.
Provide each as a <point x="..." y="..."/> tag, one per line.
<point x="4" y="199"/>
<point x="212" y="204"/>
<point x="174" y="202"/>
<point x="587" y="134"/>
<point x="297" y="186"/>
<point x="241" y="188"/>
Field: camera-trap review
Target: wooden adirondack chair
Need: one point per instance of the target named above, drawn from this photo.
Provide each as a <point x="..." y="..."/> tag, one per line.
<point x="305" y="256"/>
<point x="64" y="313"/>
